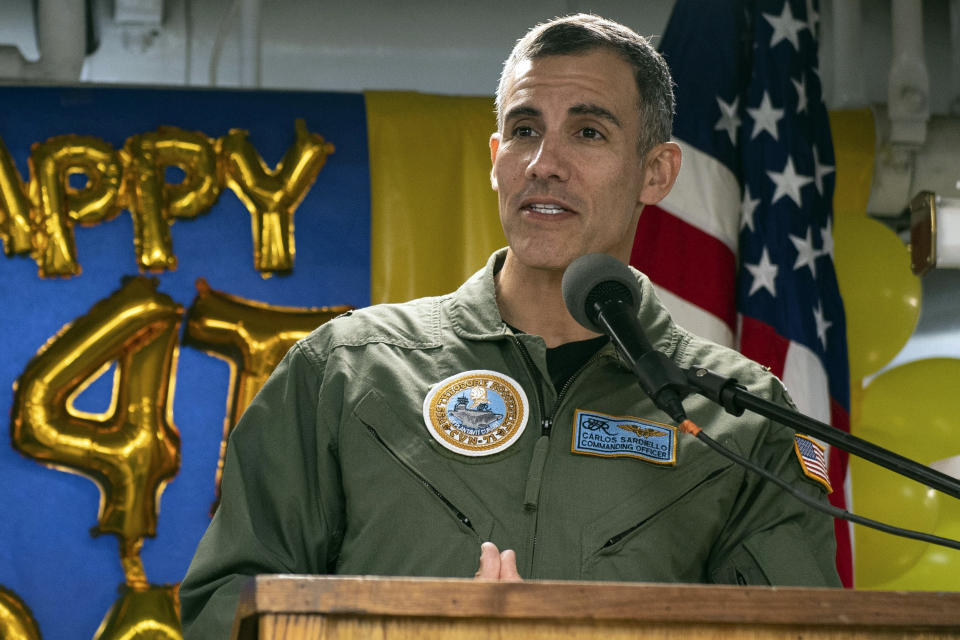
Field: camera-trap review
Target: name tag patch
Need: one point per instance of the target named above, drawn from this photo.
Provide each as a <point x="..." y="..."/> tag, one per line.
<point x="597" y="434"/>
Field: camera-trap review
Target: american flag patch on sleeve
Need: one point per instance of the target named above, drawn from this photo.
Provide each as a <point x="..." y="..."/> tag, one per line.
<point x="812" y="460"/>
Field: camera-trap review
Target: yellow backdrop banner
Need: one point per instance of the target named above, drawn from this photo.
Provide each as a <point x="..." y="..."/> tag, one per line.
<point x="433" y="215"/>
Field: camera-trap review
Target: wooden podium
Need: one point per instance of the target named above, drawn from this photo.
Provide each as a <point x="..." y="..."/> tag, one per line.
<point x="322" y="607"/>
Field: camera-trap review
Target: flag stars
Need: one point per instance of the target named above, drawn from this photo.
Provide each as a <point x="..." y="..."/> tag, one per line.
<point x="819" y="170"/>
<point x="765" y="118"/>
<point x="826" y="239"/>
<point x="747" y="208"/>
<point x="812" y="18"/>
<point x="785" y="27"/>
<point x="801" y="87"/>
<point x="788" y="183"/>
<point x="806" y="254"/>
<point x="822" y="324"/>
<point x="764" y="274"/>
<point x="729" y="120"/>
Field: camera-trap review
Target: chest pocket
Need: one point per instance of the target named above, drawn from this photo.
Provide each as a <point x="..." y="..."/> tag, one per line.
<point x="412" y="451"/>
<point x="664" y="532"/>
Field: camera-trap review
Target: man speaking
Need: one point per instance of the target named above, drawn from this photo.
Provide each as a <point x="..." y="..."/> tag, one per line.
<point x="486" y="432"/>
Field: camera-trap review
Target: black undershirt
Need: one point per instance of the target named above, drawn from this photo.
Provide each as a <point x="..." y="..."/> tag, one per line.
<point x="565" y="360"/>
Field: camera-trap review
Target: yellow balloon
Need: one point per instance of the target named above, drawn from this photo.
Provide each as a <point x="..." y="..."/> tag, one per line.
<point x="149" y="612"/>
<point x="937" y="567"/>
<point x="133" y="448"/>
<point x="252" y="337"/>
<point x="16" y="620"/>
<point x="885" y="496"/>
<point x="912" y="410"/>
<point x="881" y="296"/>
<point x="272" y="196"/>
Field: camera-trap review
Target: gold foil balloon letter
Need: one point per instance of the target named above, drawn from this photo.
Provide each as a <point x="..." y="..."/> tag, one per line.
<point x="133" y="448"/>
<point x="252" y="337"/>
<point x="61" y="205"/>
<point x="154" y="203"/>
<point x="271" y="197"/>
<point x="14" y="207"/>
<point x="143" y="612"/>
<point x="16" y="620"/>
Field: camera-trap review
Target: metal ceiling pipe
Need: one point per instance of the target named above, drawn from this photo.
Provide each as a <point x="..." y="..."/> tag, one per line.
<point x="250" y="43"/>
<point x="61" y="41"/>
<point x="902" y="127"/>
<point x="848" y="88"/>
<point x="908" y="91"/>
<point x="955" y="57"/>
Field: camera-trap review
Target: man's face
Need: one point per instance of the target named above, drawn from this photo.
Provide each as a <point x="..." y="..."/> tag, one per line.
<point x="566" y="164"/>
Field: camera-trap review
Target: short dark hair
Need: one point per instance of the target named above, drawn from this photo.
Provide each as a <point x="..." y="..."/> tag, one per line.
<point x="582" y="33"/>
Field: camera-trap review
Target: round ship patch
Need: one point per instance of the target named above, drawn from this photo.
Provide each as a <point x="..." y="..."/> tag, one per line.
<point x="476" y="413"/>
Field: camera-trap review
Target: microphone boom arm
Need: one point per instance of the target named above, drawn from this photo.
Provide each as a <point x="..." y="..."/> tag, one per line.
<point x="734" y="398"/>
<point x="659" y="377"/>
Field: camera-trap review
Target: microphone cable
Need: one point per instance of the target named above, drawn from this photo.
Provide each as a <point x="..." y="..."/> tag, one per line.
<point x="688" y="426"/>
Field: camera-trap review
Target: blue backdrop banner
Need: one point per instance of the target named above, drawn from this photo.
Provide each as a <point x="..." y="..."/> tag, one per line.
<point x="68" y="578"/>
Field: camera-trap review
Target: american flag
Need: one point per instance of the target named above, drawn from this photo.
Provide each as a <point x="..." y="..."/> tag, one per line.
<point x="812" y="459"/>
<point x="741" y="250"/>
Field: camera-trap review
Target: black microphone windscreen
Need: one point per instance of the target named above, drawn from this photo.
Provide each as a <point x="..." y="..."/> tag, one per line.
<point x="594" y="277"/>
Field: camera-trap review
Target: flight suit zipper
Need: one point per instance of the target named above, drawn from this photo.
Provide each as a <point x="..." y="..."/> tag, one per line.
<point x="452" y="507"/>
<point x="532" y="493"/>
<point x="539" y="458"/>
<point x="545" y="423"/>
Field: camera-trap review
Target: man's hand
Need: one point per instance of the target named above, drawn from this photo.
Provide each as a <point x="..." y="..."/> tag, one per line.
<point x="495" y="565"/>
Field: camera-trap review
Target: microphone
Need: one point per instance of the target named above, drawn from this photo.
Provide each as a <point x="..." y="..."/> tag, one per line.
<point x="602" y="294"/>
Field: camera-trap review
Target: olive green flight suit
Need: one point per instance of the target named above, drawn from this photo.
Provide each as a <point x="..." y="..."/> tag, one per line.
<point x="332" y="469"/>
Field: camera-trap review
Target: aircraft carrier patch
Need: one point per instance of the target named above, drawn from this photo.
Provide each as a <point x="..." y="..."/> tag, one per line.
<point x="476" y="413"/>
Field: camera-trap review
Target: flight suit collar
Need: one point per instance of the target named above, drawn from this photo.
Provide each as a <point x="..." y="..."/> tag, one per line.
<point x="473" y="310"/>
<point x="474" y="315"/>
